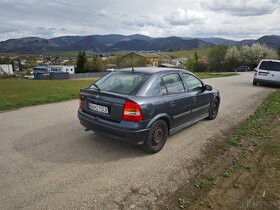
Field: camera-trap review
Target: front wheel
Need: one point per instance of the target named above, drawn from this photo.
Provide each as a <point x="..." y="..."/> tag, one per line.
<point x="156" y="137"/>
<point x="254" y="83"/>
<point x="214" y="108"/>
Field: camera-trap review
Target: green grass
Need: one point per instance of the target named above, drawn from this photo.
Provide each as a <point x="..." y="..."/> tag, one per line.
<point x="206" y="75"/>
<point x="15" y="93"/>
<point x="189" y="53"/>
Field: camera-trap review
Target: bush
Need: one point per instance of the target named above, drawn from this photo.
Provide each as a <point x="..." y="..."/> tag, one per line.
<point x="248" y="55"/>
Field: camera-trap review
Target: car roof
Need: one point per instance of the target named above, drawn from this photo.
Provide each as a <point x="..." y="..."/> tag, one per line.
<point x="152" y="70"/>
<point x="270" y="60"/>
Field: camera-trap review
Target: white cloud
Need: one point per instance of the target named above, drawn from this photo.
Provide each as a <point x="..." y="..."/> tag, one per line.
<point x="103" y="13"/>
<point x="180" y="17"/>
<point x="242" y="7"/>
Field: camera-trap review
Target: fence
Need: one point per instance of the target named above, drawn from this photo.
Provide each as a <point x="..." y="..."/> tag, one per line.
<point x="87" y="75"/>
<point x="66" y="75"/>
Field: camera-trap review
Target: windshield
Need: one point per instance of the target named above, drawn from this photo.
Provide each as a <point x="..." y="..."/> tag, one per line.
<point x="127" y="83"/>
<point x="270" y="66"/>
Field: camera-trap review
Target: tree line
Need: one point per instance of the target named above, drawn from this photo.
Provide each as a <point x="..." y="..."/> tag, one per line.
<point x="225" y="58"/>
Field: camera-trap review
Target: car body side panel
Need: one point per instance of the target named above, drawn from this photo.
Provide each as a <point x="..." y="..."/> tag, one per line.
<point x="201" y="103"/>
<point x="179" y="107"/>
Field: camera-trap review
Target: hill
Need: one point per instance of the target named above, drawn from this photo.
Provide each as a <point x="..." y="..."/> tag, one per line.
<point x="118" y="42"/>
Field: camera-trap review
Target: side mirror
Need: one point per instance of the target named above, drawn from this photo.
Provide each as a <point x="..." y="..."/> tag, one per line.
<point x="208" y="87"/>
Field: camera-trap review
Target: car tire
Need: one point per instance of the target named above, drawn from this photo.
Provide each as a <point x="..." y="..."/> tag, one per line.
<point x="156" y="138"/>
<point x="254" y="83"/>
<point x="214" y="109"/>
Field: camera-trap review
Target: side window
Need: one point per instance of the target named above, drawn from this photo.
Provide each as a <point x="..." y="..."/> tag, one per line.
<point x="173" y="84"/>
<point x="192" y="83"/>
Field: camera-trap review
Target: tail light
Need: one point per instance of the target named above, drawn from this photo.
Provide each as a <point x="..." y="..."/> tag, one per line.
<point x="132" y="112"/>
<point x="80" y="100"/>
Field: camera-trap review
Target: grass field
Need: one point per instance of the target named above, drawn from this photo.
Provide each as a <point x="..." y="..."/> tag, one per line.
<point x="189" y="53"/>
<point x="15" y="93"/>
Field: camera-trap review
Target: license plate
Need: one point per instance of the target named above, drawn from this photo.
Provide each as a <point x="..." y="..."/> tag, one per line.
<point x="98" y="108"/>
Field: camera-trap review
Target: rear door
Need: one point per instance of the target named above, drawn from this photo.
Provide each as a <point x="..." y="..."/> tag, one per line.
<point x="176" y="98"/>
<point x="274" y="68"/>
<point x="265" y="71"/>
<point x="200" y="98"/>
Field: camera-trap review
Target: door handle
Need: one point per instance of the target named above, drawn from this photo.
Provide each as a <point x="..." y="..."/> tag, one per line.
<point x="172" y="103"/>
<point x="195" y="99"/>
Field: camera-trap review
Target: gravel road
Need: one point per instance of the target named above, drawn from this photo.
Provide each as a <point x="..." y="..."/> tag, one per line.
<point x="48" y="161"/>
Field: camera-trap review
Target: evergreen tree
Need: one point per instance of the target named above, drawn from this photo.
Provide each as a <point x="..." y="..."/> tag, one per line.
<point x="81" y="62"/>
<point x="195" y="56"/>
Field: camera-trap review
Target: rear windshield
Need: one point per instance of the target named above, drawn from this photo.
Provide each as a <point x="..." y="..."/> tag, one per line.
<point x="270" y="66"/>
<point x="127" y="83"/>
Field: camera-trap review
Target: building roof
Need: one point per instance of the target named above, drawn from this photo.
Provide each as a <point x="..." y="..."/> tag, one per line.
<point x="41" y="67"/>
<point x="147" y="55"/>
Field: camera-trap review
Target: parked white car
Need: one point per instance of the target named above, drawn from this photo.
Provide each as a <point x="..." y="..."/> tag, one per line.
<point x="267" y="72"/>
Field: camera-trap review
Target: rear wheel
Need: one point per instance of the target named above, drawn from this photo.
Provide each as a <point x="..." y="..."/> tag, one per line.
<point x="156" y="137"/>
<point x="214" y="108"/>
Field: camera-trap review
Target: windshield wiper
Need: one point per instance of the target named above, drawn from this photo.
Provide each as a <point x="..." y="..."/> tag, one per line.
<point x="95" y="85"/>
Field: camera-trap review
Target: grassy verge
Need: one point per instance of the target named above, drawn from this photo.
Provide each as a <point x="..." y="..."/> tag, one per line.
<point x="206" y="75"/>
<point x="20" y="93"/>
<point x="240" y="172"/>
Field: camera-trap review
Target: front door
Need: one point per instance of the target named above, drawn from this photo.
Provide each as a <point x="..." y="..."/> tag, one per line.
<point x="200" y="98"/>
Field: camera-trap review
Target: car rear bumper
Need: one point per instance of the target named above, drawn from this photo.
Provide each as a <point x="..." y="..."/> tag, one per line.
<point x="266" y="82"/>
<point x="106" y="128"/>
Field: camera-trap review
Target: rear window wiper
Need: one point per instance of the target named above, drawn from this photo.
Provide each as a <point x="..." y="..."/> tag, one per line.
<point x="95" y="85"/>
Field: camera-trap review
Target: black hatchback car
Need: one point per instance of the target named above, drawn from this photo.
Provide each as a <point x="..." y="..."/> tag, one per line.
<point x="144" y="106"/>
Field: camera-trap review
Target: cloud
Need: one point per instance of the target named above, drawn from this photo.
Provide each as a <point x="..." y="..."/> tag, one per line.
<point x="7" y="29"/>
<point x="103" y="13"/>
<point x="54" y="18"/>
<point x="180" y="17"/>
<point x="242" y="7"/>
<point x="45" y="32"/>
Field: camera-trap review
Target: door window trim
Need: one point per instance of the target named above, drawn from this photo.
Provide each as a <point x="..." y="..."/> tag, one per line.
<point x="167" y="93"/>
<point x="186" y="85"/>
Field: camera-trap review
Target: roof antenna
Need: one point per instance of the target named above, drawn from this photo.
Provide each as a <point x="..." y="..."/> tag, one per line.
<point x="132" y="68"/>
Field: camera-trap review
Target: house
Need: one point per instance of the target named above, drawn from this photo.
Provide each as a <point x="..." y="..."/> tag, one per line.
<point x="40" y="69"/>
<point x="6" y="68"/>
<point x="203" y="59"/>
<point x="175" y="63"/>
<point x="179" y="62"/>
<point x="143" y="59"/>
<point x="54" y="68"/>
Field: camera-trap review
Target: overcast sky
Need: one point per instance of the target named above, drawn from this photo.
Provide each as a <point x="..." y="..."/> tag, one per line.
<point x="237" y="20"/>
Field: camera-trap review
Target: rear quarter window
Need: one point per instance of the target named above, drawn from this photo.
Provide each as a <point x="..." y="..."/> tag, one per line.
<point x="270" y="66"/>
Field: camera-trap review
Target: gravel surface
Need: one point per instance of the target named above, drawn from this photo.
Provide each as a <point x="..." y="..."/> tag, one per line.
<point x="48" y="161"/>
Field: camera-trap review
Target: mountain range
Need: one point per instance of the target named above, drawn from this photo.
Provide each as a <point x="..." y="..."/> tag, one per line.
<point x="117" y="42"/>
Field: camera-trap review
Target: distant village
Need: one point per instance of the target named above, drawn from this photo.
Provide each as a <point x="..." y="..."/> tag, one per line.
<point x="27" y="65"/>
